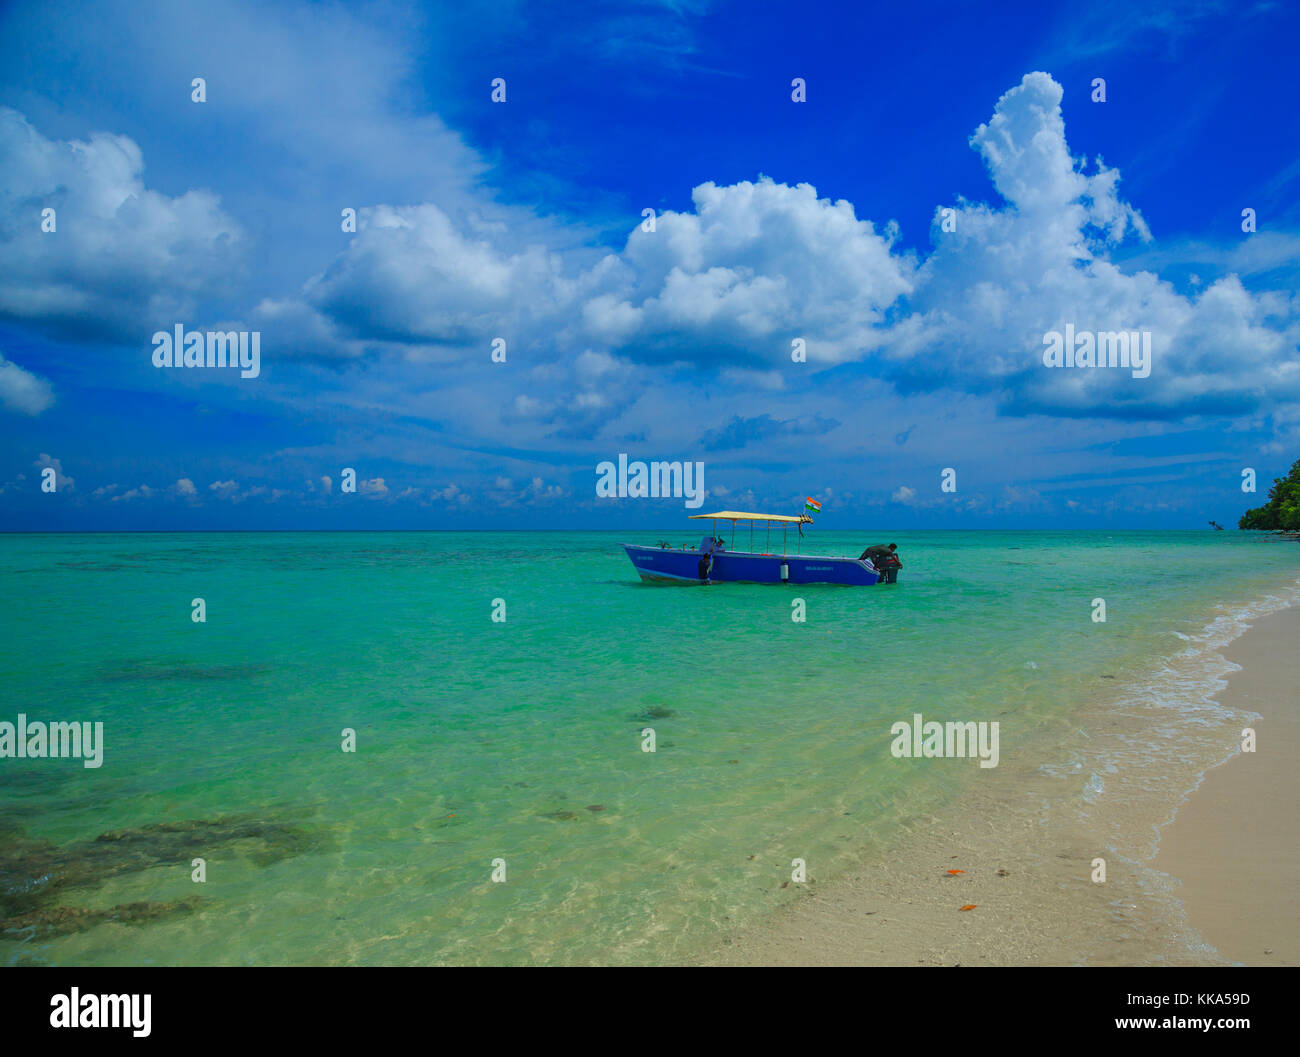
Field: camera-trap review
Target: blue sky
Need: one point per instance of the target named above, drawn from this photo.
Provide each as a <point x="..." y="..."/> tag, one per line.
<point x="775" y="220"/>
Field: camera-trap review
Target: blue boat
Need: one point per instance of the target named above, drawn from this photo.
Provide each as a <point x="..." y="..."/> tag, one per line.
<point x="713" y="562"/>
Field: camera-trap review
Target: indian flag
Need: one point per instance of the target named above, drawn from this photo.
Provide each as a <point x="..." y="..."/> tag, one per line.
<point x="812" y="506"/>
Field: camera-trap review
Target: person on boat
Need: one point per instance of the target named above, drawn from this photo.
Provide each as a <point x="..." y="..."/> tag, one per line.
<point x="884" y="560"/>
<point x="708" y="547"/>
<point x="705" y="567"/>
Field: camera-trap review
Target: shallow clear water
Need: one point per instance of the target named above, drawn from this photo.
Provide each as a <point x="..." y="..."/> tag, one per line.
<point x="478" y="740"/>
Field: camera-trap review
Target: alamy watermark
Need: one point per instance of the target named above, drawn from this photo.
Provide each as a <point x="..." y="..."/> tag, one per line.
<point x="1108" y="348"/>
<point x="657" y="480"/>
<point x="37" y="740"/>
<point x="75" y="1010"/>
<point x="953" y="740"/>
<point x="217" y="348"/>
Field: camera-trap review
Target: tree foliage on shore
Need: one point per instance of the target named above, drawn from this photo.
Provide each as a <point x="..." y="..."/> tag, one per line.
<point x="1282" y="511"/>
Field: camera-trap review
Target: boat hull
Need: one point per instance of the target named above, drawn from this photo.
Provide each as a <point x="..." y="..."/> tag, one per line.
<point x="660" y="563"/>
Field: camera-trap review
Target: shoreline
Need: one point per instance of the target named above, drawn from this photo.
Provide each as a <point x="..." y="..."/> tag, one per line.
<point x="1026" y="841"/>
<point x="1234" y="846"/>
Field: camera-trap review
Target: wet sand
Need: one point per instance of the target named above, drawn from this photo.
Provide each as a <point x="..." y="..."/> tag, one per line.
<point x="1235" y="845"/>
<point x="1224" y="887"/>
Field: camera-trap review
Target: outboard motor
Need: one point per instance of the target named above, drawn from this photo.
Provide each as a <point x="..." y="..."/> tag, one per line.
<point x="888" y="568"/>
<point x="884" y="561"/>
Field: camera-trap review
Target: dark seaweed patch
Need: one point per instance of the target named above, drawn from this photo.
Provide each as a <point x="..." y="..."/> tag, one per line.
<point x="62" y="921"/>
<point x="141" y="671"/>
<point x="656" y="712"/>
<point x="34" y="872"/>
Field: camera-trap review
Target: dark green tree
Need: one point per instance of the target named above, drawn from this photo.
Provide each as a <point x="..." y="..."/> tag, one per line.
<point x="1282" y="511"/>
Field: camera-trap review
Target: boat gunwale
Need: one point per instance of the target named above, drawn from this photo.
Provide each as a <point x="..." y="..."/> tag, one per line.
<point x="754" y="554"/>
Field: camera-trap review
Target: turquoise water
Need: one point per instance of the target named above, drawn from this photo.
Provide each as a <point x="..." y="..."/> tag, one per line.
<point x="519" y="740"/>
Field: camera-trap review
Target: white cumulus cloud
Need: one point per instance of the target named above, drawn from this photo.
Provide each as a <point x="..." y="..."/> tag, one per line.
<point x="22" y="391"/>
<point x="122" y="260"/>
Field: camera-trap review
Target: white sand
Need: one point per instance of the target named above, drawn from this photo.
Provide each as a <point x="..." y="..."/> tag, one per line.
<point x="1235" y="845"/>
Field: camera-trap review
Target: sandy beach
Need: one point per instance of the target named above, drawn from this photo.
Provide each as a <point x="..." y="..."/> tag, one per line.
<point x="1223" y="888"/>
<point x="1235" y="845"/>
